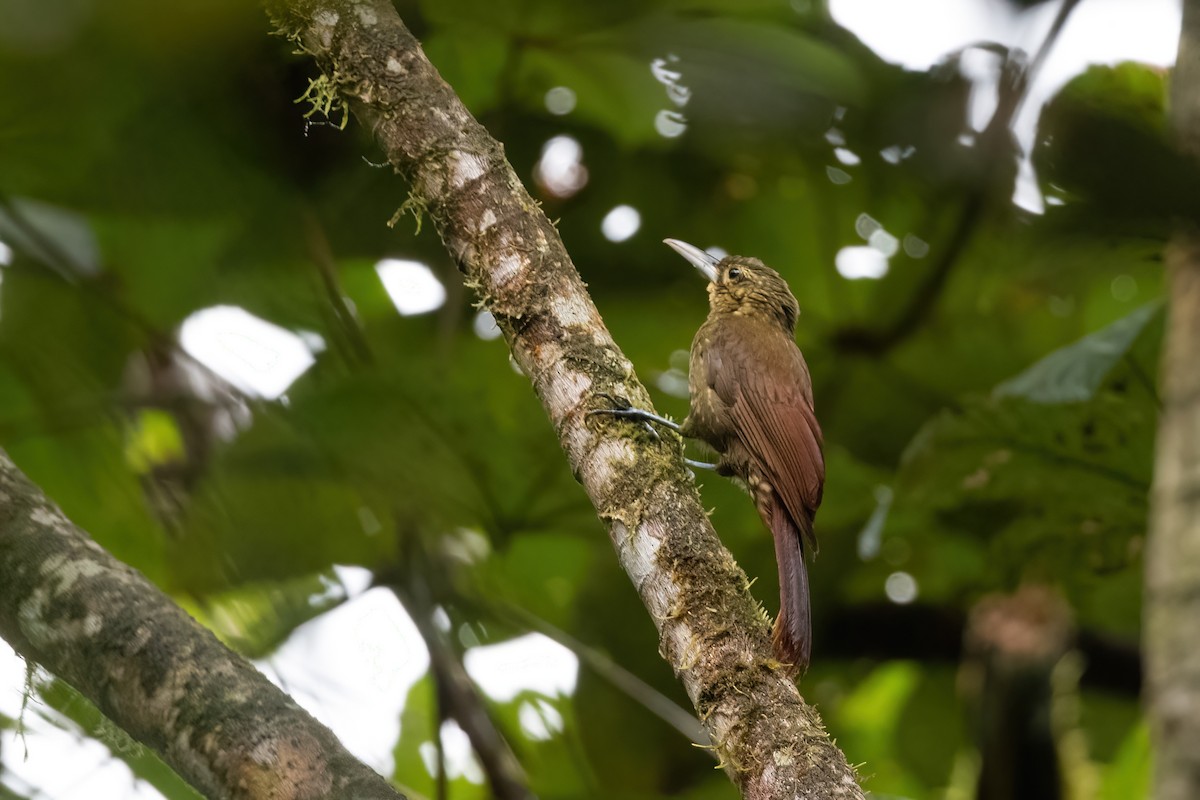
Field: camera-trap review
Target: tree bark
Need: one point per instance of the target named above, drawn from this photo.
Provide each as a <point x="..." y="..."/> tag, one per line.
<point x="1014" y="645"/>
<point x="1172" y="612"/>
<point x="770" y="742"/>
<point x="153" y="670"/>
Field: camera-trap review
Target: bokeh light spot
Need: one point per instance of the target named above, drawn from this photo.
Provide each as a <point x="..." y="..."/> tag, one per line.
<point x="560" y="170"/>
<point x="1124" y="288"/>
<point x="560" y="100"/>
<point x="411" y="285"/>
<point x="670" y="124"/>
<point x="915" y="246"/>
<point x="254" y="355"/>
<point x="846" y="156"/>
<point x="837" y="176"/>
<point x="901" y="588"/>
<point x="621" y="223"/>
<point x="532" y="662"/>
<point x="485" y="326"/>
<point x="861" y="262"/>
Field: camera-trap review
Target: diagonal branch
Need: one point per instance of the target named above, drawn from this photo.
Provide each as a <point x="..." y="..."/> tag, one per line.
<point x="150" y="668"/>
<point x="711" y="631"/>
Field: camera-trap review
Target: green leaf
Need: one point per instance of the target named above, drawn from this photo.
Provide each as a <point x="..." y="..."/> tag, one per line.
<point x="782" y="58"/>
<point x="1049" y="475"/>
<point x="1128" y="777"/>
<point x="168" y="266"/>
<point x="1075" y="373"/>
<point x="613" y="87"/>
<point x="1048" y="486"/>
<point x="1115" y="115"/>
<point x="57" y="238"/>
<point x="868" y="722"/>
<point x="255" y="619"/>
<point x="154" y="439"/>
<point x="271" y="520"/>
<point x="472" y="61"/>
<point x="543" y="573"/>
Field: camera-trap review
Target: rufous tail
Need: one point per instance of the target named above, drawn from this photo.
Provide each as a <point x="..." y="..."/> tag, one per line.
<point x="793" y="626"/>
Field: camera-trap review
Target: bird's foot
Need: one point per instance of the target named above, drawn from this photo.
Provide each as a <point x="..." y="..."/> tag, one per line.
<point x="623" y="408"/>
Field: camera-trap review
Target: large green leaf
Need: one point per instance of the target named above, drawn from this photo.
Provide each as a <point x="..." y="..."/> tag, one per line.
<point x="1076" y="372"/>
<point x="255" y="619"/>
<point x="1051" y="473"/>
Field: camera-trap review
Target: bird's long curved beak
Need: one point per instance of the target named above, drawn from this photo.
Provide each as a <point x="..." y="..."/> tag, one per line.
<point x="705" y="262"/>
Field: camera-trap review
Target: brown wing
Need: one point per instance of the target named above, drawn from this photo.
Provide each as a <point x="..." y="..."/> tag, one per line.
<point x="769" y="396"/>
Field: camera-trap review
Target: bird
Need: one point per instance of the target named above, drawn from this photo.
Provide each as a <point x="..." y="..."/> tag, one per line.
<point x="751" y="401"/>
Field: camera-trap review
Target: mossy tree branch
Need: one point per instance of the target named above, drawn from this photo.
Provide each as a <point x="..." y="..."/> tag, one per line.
<point x="712" y="633"/>
<point x="101" y="626"/>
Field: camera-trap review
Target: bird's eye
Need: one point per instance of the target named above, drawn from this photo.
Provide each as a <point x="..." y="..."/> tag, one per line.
<point x="734" y="274"/>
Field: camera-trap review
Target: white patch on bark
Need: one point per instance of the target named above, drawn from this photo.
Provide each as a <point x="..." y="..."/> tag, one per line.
<point x="639" y="556"/>
<point x="564" y="389"/>
<point x="264" y="752"/>
<point x="639" y="553"/>
<point x="576" y="439"/>
<point x="183" y="741"/>
<point x="606" y="462"/>
<point x="508" y="267"/>
<point x="394" y="66"/>
<point x="141" y="637"/>
<point x="43" y="633"/>
<point x="680" y="642"/>
<point x="465" y="167"/>
<point x="66" y="571"/>
<point x="46" y="516"/>
<point x="571" y="310"/>
<point x="366" y="15"/>
<point x="239" y="693"/>
<point x="324" y="22"/>
<point x="487" y="220"/>
<point x="60" y="574"/>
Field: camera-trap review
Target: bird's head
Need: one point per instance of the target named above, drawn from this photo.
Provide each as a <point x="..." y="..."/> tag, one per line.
<point x="743" y="286"/>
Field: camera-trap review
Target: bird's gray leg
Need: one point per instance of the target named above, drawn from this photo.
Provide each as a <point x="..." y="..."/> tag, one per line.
<point x="637" y="414"/>
<point x="625" y="411"/>
<point x="699" y="464"/>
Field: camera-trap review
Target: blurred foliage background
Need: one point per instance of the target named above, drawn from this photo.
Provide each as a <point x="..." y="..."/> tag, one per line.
<point x="985" y="375"/>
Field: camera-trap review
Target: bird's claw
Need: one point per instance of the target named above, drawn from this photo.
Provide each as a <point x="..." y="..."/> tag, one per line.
<point x="625" y="409"/>
<point x="620" y="403"/>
